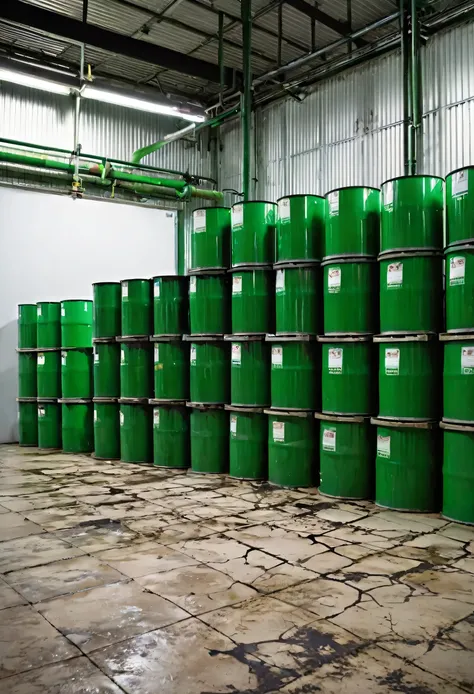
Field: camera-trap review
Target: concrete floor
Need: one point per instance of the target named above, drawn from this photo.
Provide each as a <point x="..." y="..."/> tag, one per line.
<point x="121" y="578"/>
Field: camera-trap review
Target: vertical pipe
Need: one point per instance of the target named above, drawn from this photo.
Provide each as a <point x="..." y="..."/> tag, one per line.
<point x="246" y="8"/>
<point x="407" y="109"/>
<point x="415" y="87"/>
<point x="221" y="57"/>
<point x="180" y="242"/>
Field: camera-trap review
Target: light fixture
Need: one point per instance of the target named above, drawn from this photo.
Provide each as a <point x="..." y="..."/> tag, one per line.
<point x="32" y="81"/>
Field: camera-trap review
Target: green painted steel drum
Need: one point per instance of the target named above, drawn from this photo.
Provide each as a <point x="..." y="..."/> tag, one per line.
<point x="48" y="324"/>
<point x="300" y="229"/>
<point x="295" y="375"/>
<point x="458" y="473"/>
<point x="49" y="425"/>
<point x="107" y="316"/>
<point x="411" y="293"/>
<point x="209" y="304"/>
<point x="137" y="308"/>
<point x="248" y="445"/>
<point x="171" y="439"/>
<point x="77" y="379"/>
<point x="408" y="468"/>
<point x="27" y="326"/>
<point x="292" y="451"/>
<point x="409" y="379"/>
<point x="253" y="233"/>
<point x="298" y="301"/>
<point x="353" y="222"/>
<point x="76" y="323"/>
<point x="460" y="206"/>
<point x="49" y="374"/>
<point x="250" y="373"/>
<point x="27" y="375"/>
<point x="460" y="289"/>
<point x="209" y="440"/>
<point x="348" y="377"/>
<point x="350" y="292"/>
<point x="412" y="214"/>
<point x="458" y="379"/>
<point x="210" y="239"/>
<point x="210" y="372"/>
<point x="136" y="375"/>
<point x="253" y="302"/>
<point x="170" y="305"/>
<point x="346" y="457"/>
<point x="77" y="427"/>
<point x="171" y="369"/>
<point x="106" y="369"/>
<point x="107" y="430"/>
<point x="28" y="423"/>
<point x="136" y="433"/>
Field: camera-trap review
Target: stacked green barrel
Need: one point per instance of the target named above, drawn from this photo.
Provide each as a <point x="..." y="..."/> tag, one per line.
<point x="27" y="378"/>
<point x="49" y="374"/>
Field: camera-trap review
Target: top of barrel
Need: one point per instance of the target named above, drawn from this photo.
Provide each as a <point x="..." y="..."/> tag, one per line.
<point x="87" y="301"/>
<point x="457" y="427"/>
<point x="166" y="277"/>
<point x="456" y="337"/>
<point x="99" y="284"/>
<point x="398" y="424"/>
<point x="249" y="202"/>
<point x="40" y="303"/>
<point x="301" y="195"/>
<point x="214" y="207"/>
<point x="461" y="168"/>
<point x="456" y="249"/>
<point x="402" y="178"/>
<point x="336" y="190"/>
<point x="135" y="279"/>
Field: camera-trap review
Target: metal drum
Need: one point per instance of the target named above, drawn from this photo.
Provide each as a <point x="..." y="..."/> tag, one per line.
<point x="248" y="444"/>
<point x="292" y="450"/>
<point x="48" y="327"/>
<point x="253" y="233"/>
<point x="300" y="229"/>
<point x="136" y="433"/>
<point x="209" y="372"/>
<point x="27" y="325"/>
<point x="348" y="376"/>
<point x="76" y="374"/>
<point x="171" y="370"/>
<point x="412" y="214"/>
<point x="137" y="308"/>
<point x="253" y="302"/>
<point x="27" y="422"/>
<point x="460" y="289"/>
<point x="171" y="441"/>
<point x="209" y="440"/>
<point x="210" y="239"/>
<point x="295" y="374"/>
<point x="76" y="323"/>
<point x="136" y="364"/>
<point x="353" y="222"/>
<point x="409" y="382"/>
<point x="107" y="318"/>
<point x="458" y="379"/>
<point x="27" y="375"/>
<point x="106" y="369"/>
<point x="77" y="427"/>
<point x="209" y="300"/>
<point x="106" y="430"/>
<point x="346" y="457"/>
<point x="49" y="374"/>
<point x="460" y="206"/>
<point x="298" y="304"/>
<point x="49" y="425"/>
<point x="170" y="305"/>
<point x="408" y="466"/>
<point x="250" y="373"/>
<point x="350" y="291"/>
<point x="458" y="473"/>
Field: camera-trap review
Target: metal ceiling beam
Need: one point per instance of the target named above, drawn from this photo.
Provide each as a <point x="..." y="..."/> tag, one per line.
<point x="335" y="25"/>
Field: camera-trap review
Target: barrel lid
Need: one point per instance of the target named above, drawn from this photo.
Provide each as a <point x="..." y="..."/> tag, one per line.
<point x="336" y="190"/>
<point x="342" y="418"/>
<point x="135" y="279"/>
<point x="342" y="259"/>
<point x="244" y="338"/>
<point x="244" y="409"/>
<point x="291" y="337"/>
<point x="401" y="178"/>
<point x="23" y="350"/>
<point x="211" y="271"/>
<point x="47" y="401"/>
<point x="103" y="340"/>
<point x="398" y="424"/>
<point x="26" y="399"/>
<point x="400" y="255"/>
<point x="448" y="426"/>
<point x="105" y="401"/>
<point x="345" y="338"/>
<point x="133" y="401"/>
<point x="297" y="264"/>
<point x="132" y="338"/>
<point x="214" y="207"/>
<point x="252" y="202"/>
<point x="103" y="284"/>
<point x="276" y="412"/>
<point x="75" y="401"/>
<point x="204" y="338"/>
<point x="71" y="301"/>
<point x="75" y="349"/>
<point x="27" y="305"/>
<point x="455" y="249"/>
<point x="172" y="337"/>
<point x="205" y="405"/>
<point x="457" y="337"/>
<point x="300" y="195"/>
<point x="462" y="168"/>
<point x="406" y="337"/>
<point x="162" y="402"/>
<point x="44" y="303"/>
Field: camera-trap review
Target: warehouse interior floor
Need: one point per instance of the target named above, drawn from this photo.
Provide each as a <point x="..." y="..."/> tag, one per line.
<point x="124" y="578"/>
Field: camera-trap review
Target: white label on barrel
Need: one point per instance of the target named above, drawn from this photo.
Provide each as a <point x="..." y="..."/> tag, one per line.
<point x="280" y="281"/>
<point x="124" y="290"/>
<point x="457" y="270"/>
<point x="388" y="194"/>
<point x="122" y="356"/>
<point x="383" y="446"/>
<point x="233" y="424"/>
<point x="38" y="311"/>
<point x="329" y="440"/>
<point x="237" y="284"/>
<point x="63" y="358"/>
<point x="467" y="360"/>
<point x="157" y="354"/>
<point x="459" y="183"/>
<point x="335" y="359"/>
<point x="277" y="356"/>
<point x="192" y="284"/>
<point x="395" y="275"/>
<point x="122" y="419"/>
<point x="236" y="353"/>
<point x="284" y="209"/>
<point x="41" y="412"/>
<point x="96" y="356"/>
<point x="96" y="419"/>
<point x="278" y="431"/>
<point x="392" y="361"/>
<point x="333" y="200"/>
<point x="192" y="354"/>
<point x="334" y="280"/>
<point x="156" y="417"/>
<point x="199" y="221"/>
<point x="237" y="216"/>
<point x="40" y="359"/>
<point x="157" y="288"/>
<point x="63" y="311"/>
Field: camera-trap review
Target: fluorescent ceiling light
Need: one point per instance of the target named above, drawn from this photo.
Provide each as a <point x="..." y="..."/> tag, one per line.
<point x="35" y="82"/>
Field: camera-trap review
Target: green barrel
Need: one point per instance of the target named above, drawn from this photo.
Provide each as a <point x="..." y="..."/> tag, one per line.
<point x="106" y="369"/>
<point x="77" y="427"/>
<point x="460" y="289"/>
<point x="136" y="433"/>
<point x="458" y="379"/>
<point x="170" y="305"/>
<point x="77" y="379"/>
<point x="353" y="222"/>
<point x="27" y="375"/>
<point x="253" y="233"/>
<point x="412" y="214"/>
<point x="171" y="369"/>
<point x="76" y="323"/>
<point x="209" y="310"/>
<point x="106" y="430"/>
<point x="49" y="374"/>
<point x="292" y="451"/>
<point x="458" y="473"/>
<point x="27" y="423"/>
<point x="49" y="324"/>
<point x="171" y="443"/>
<point x="209" y="372"/>
<point x="295" y="375"/>
<point x="348" y="376"/>
<point x="408" y="467"/>
<point x="248" y="445"/>
<point x="350" y="292"/>
<point x="250" y="373"/>
<point x="49" y="425"/>
<point x="253" y="302"/>
<point x="136" y="376"/>
<point x="298" y="304"/>
<point x="209" y="440"/>
<point x="137" y="310"/>
<point x="411" y="293"/>
<point x="346" y="457"/>
<point x="107" y="315"/>
<point x="210" y="239"/>
<point x="409" y="378"/>
<point x="460" y="206"/>
<point x="27" y="326"/>
<point x="300" y="229"/>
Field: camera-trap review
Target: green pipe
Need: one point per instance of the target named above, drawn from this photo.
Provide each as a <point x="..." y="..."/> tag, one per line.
<point x="15" y="158"/>
<point x="246" y="100"/>
<point x="137" y="178"/>
<point x="181" y="243"/>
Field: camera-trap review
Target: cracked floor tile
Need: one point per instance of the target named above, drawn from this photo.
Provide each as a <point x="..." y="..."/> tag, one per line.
<point x="98" y="535"/>
<point x="449" y="583"/>
<point x="212" y="549"/>
<point x="288" y="546"/>
<point x="144" y="558"/>
<point x="326" y="563"/>
<point x="33" y="551"/>
<point x="9" y="597"/>
<point x="323" y="597"/>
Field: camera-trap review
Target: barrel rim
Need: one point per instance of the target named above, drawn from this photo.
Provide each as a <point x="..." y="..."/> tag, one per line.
<point x="212" y="271"/>
<point x="455" y="244"/>
<point x="463" y="247"/>
<point x="350" y="256"/>
<point x="404" y="509"/>
<point x="405" y="337"/>
<point x="105" y="401"/>
<point x="456" y="337"/>
<point x="168" y="277"/>
<point x="214" y="207"/>
<point x="400" y="178"/>
<point x="281" y="412"/>
<point x="132" y="338"/>
<point x="104" y="340"/>
<point x="40" y="350"/>
<point x="336" y="190"/>
<point x="346" y="259"/>
<point x="203" y="406"/>
<point x="98" y="457"/>
<point x="22" y="350"/>
<point x="425" y="253"/>
<point x="300" y="195"/>
<point x="326" y="339"/>
<point x="31" y="400"/>
<point x="101" y="284"/>
<point x="75" y="401"/>
<point x="170" y="337"/>
<point x="48" y="401"/>
<point x="167" y="402"/>
<point x="214" y="337"/>
<point x="290" y="337"/>
<point x="341" y="497"/>
<point x="461" y="168"/>
<point x="133" y="401"/>
<point x="43" y="303"/>
<point x="445" y="517"/>
<point x="35" y="305"/>
<point x="251" y="202"/>
<point x="448" y="426"/>
<point x="136" y="279"/>
<point x="76" y="349"/>
<point x="250" y="266"/>
<point x="246" y="337"/>
<point x="402" y="424"/>
<point x="297" y="264"/>
<point x="343" y="419"/>
<point x="245" y="409"/>
<point x="71" y="301"/>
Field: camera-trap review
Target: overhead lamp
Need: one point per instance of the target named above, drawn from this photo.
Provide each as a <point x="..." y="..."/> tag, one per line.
<point x="31" y="81"/>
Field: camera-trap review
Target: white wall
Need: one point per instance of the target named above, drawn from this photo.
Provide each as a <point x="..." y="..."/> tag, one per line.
<point x="54" y="248"/>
